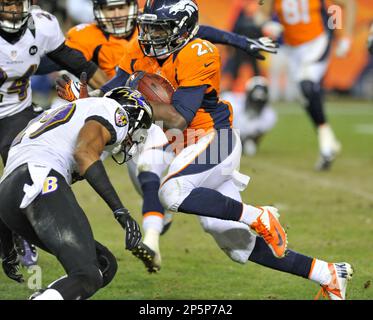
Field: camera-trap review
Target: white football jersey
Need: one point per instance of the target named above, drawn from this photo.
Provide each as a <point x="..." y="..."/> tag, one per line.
<point x="19" y="61"/>
<point x="50" y="139"/>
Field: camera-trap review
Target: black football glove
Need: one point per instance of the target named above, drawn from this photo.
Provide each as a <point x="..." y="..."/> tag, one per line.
<point x="11" y="266"/>
<point x="133" y="233"/>
<point x="254" y="47"/>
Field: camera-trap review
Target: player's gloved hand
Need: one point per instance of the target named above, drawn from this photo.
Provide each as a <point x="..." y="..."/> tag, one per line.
<point x="11" y="266"/>
<point x="71" y="90"/>
<point x="343" y="47"/>
<point x="254" y="47"/>
<point x="133" y="233"/>
<point x="133" y="80"/>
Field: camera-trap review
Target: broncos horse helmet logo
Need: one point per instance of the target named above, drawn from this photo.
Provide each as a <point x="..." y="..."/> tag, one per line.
<point x="184" y="5"/>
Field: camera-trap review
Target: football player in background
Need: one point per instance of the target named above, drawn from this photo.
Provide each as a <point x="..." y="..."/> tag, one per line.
<point x="307" y="39"/>
<point x="196" y="182"/>
<point x="37" y="201"/>
<point x="25" y="36"/>
<point x="253" y="115"/>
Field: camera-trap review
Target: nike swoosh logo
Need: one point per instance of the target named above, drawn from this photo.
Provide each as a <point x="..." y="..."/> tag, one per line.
<point x="280" y="240"/>
<point x="208" y="64"/>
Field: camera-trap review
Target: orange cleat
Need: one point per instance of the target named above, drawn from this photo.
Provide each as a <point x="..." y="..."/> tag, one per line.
<point x="269" y="228"/>
<point x="336" y="289"/>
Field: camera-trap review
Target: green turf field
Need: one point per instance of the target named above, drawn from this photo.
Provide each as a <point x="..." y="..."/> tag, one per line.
<point x="327" y="215"/>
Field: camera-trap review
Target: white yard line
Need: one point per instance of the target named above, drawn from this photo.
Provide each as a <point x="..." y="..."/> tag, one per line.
<point x="364" y="129"/>
<point x="316" y="180"/>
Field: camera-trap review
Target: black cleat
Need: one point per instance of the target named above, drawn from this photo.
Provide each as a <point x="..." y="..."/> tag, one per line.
<point x="147" y="256"/>
<point x="324" y="163"/>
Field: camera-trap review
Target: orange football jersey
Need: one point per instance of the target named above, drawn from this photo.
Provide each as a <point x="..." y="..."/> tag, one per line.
<point x="303" y="20"/>
<point x="197" y="64"/>
<point x="103" y="49"/>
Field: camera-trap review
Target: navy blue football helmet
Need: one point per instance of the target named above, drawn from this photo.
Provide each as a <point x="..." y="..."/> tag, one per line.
<point x="166" y="26"/>
<point x="14" y="15"/>
<point x="121" y="26"/>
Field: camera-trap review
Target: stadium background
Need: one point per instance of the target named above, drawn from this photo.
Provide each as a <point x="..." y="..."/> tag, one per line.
<point x="328" y="215"/>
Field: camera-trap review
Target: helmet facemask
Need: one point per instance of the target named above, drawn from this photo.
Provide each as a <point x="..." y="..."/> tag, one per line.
<point x="122" y="25"/>
<point x="139" y="118"/>
<point x="161" y="38"/>
<point x="14" y="15"/>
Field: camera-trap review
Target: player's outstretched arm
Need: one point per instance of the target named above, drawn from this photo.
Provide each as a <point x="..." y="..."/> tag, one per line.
<point x="252" y="47"/>
<point x="349" y="14"/>
<point x="92" y="139"/>
<point x="74" y="61"/>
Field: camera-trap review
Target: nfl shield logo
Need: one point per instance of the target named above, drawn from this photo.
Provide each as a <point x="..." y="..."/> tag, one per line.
<point x="13" y="55"/>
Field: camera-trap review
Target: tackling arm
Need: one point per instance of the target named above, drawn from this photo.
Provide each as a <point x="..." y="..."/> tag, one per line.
<point x="92" y="139"/>
<point x="74" y="61"/>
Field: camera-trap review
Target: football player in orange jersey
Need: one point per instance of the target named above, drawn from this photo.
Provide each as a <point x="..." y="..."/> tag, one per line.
<point x="307" y="35"/>
<point x="105" y="41"/>
<point x="202" y="176"/>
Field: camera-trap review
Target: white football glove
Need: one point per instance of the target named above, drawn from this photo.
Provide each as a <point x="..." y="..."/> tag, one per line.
<point x="262" y="44"/>
<point x="343" y="47"/>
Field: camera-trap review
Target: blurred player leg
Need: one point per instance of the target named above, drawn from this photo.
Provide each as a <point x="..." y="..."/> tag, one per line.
<point x="308" y="65"/>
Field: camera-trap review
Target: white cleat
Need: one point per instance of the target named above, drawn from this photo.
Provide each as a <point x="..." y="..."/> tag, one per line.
<point x="330" y="147"/>
<point x="341" y="273"/>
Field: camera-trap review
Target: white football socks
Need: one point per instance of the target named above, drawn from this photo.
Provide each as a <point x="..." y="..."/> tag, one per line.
<point x="152" y="222"/>
<point x="250" y="214"/>
<point x="320" y="272"/>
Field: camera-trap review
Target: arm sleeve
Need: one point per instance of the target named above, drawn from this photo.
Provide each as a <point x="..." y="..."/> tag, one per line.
<point x="118" y="81"/>
<point x="73" y="61"/>
<point x="222" y="37"/>
<point x="187" y="100"/>
<point x="47" y="66"/>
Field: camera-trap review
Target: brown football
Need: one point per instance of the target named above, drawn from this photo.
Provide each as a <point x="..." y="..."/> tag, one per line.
<point x="156" y="88"/>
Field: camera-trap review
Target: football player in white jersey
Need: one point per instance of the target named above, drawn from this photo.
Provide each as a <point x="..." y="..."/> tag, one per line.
<point x="253" y="115"/>
<point x="38" y="203"/>
<point x="26" y="34"/>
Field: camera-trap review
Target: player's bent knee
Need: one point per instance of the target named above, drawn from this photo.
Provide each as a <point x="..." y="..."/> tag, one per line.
<point x="172" y="195"/>
<point x="91" y="280"/>
<point x="107" y="263"/>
